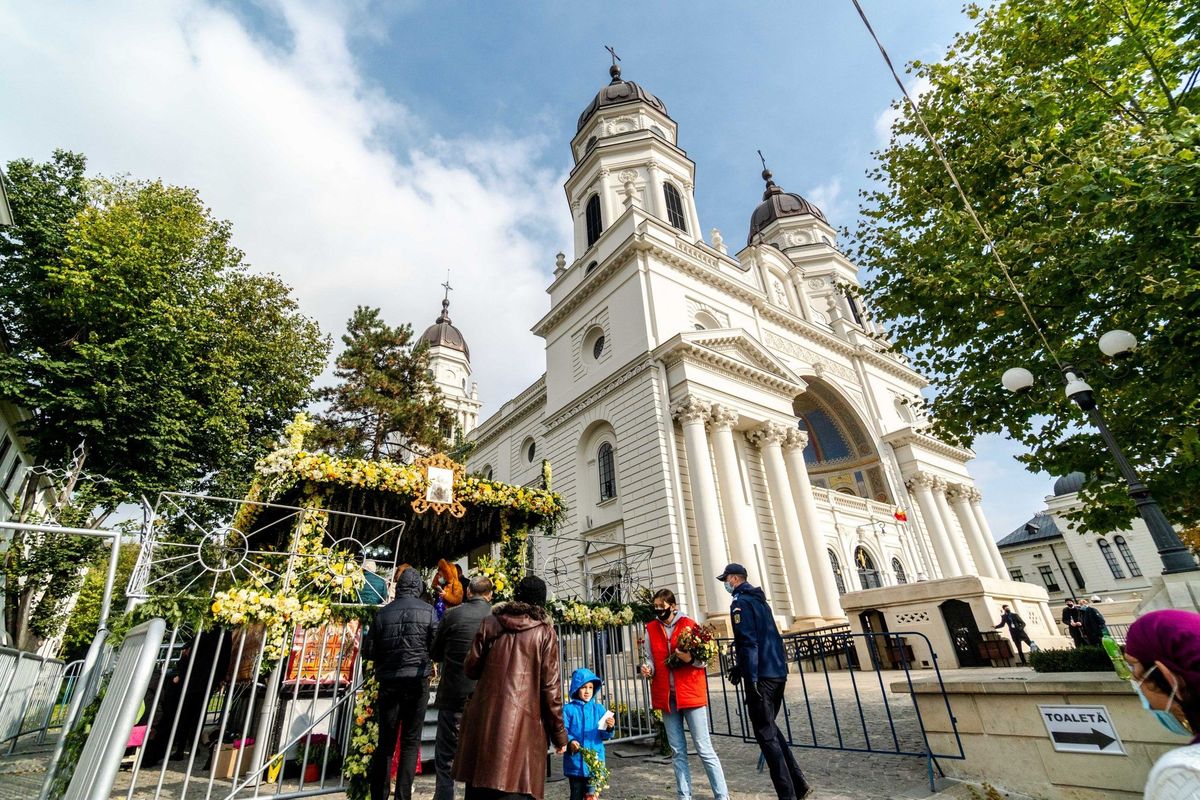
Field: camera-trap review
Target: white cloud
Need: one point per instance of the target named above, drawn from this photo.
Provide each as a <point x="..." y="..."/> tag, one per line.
<point x="888" y="117"/>
<point x="828" y="197"/>
<point x="344" y="193"/>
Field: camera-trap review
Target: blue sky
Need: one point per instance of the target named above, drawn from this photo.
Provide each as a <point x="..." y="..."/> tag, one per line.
<point x="360" y="149"/>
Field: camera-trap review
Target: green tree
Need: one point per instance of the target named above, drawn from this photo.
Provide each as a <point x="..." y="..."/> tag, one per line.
<point x="1073" y="128"/>
<point x="85" y="616"/>
<point x="135" y="332"/>
<point x="385" y="403"/>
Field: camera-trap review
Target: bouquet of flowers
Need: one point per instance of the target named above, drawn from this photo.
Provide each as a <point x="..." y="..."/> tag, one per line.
<point x="700" y="642"/>
<point x="597" y="772"/>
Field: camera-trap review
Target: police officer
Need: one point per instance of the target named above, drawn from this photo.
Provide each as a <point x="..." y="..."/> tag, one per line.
<point x="763" y="666"/>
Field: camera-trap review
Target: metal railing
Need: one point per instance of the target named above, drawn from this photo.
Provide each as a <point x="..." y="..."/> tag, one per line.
<point x="29" y="688"/>
<point x="614" y="654"/>
<point x="844" y="709"/>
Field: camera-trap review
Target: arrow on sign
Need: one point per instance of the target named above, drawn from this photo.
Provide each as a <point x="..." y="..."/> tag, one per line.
<point x="1096" y="738"/>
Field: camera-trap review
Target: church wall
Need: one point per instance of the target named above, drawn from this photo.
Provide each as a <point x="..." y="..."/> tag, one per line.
<point x="616" y="312"/>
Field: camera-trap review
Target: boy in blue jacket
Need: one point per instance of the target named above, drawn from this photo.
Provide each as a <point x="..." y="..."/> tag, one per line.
<point x="588" y="725"/>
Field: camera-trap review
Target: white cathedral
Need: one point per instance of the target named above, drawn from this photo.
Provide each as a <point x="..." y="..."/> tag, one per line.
<point x="719" y="407"/>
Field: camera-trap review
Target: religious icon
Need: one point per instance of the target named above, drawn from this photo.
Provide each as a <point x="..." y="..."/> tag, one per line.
<point x="441" y="486"/>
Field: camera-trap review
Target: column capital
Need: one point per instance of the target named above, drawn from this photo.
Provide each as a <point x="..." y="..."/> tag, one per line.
<point x="939" y="484"/>
<point x="974" y="496"/>
<point x="722" y="418"/>
<point x="795" y="439"/>
<point x="766" y="434"/>
<point x="919" y="480"/>
<point x="691" y="409"/>
<point x="958" y="491"/>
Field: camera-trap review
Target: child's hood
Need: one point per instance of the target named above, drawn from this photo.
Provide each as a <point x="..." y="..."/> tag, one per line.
<point x="581" y="676"/>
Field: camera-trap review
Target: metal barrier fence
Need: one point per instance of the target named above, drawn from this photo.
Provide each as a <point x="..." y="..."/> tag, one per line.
<point x="238" y="716"/>
<point x="29" y="687"/>
<point x="828" y="708"/>
<point x="614" y="654"/>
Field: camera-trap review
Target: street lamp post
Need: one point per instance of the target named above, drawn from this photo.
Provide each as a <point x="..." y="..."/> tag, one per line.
<point x="1174" y="555"/>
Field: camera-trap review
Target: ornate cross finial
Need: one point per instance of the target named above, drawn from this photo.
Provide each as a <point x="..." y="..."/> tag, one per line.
<point x="613" y="53"/>
<point x="447" y="286"/>
<point x="763" y="160"/>
<point x="614" y="70"/>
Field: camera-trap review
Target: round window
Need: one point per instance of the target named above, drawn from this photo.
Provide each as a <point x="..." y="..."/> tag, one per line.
<point x="598" y="347"/>
<point x="531" y="452"/>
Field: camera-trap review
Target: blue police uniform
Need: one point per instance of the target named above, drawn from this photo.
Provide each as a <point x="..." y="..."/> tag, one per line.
<point x="762" y="664"/>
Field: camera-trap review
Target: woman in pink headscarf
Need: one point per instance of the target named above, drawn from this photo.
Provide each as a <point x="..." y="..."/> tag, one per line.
<point x="1163" y="651"/>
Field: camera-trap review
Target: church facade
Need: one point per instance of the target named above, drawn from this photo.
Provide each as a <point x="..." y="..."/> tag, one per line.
<point x="718" y="406"/>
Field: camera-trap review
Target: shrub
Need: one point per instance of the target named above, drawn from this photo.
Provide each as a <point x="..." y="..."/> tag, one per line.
<point x="1083" y="659"/>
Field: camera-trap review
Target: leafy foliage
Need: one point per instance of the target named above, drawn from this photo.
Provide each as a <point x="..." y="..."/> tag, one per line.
<point x="1073" y="129"/>
<point x="1083" y="659"/>
<point x="81" y="625"/>
<point x="386" y="402"/>
<point x="132" y="324"/>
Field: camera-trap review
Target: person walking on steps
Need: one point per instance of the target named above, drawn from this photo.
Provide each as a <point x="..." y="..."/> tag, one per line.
<point x="1016" y="629"/>
<point x="762" y="669"/>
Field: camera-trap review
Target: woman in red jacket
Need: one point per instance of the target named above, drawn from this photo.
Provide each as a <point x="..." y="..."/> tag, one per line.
<point x="680" y="693"/>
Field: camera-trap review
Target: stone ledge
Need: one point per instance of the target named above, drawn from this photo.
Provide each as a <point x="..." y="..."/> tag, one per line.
<point x="1028" y="683"/>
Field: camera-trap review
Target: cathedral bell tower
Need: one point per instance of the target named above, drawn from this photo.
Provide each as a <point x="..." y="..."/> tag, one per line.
<point x="626" y="155"/>
<point x="450" y="365"/>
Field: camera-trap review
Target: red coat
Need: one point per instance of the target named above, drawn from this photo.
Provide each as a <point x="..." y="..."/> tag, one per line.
<point x="691" y="682"/>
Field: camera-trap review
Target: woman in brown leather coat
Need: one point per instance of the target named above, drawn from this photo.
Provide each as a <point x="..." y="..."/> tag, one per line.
<point x="517" y="704"/>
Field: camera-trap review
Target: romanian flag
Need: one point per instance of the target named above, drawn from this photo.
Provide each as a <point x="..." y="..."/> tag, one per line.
<point x="900" y="514"/>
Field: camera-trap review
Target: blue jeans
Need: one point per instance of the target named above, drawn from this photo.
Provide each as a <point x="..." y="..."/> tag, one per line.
<point x="697" y="722"/>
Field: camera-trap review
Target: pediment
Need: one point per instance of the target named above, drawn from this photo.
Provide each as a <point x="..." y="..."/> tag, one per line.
<point x="738" y="348"/>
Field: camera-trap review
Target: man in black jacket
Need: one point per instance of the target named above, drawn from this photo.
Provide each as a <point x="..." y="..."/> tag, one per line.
<point x="450" y="648"/>
<point x="762" y="667"/>
<point x="1016" y="629"/>
<point x="1093" y="622"/>
<point x="1072" y="617"/>
<point x="398" y="642"/>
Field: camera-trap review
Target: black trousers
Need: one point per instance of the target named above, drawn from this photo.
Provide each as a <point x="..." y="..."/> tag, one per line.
<point x="579" y="787"/>
<point x="1019" y="637"/>
<point x="400" y="710"/>
<point x="1076" y="636"/>
<point x="443" y="752"/>
<point x="762" y="709"/>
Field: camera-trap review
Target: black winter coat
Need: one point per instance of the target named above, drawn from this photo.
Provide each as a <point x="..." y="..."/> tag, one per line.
<point x="450" y="647"/>
<point x="399" y="639"/>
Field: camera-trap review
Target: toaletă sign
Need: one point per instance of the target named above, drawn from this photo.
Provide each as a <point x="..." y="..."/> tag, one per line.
<point x="1082" y="729"/>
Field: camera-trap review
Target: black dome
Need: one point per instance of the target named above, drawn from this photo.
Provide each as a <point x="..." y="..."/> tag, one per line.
<point x="617" y="93"/>
<point x="1069" y="484"/>
<point x="776" y="204"/>
<point x="442" y="334"/>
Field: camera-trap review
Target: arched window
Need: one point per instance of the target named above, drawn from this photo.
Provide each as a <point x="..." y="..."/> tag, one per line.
<point x="1106" y="550"/>
<point x="674" y="207"/>
<point x="1127" y="554"/>
<point x="606" y="467"/>
<point x="591" y="143"/>
<point x="898" y="569"/>
<point x="595" y="225"/>
<point x="837" y="572"/>
<point x="590" y="267"/>
<point x="868" y="576"/>
<point x="530" y="450"/>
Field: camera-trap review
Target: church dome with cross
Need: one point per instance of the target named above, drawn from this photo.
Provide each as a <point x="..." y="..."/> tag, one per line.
<point x="619" y="92"/>
<point x="443" y="334"/>
<point x="776" y="204"/>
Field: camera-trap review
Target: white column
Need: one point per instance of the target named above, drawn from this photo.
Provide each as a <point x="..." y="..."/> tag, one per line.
<point x="692" y="414"/>
<point x="957" y="495"/>
<point x="957" y="541"/>
<point x="610" y="208"/>
<point x="975" y="498"/>
<point x="814" y="543"/>
<point x="920" y="484"/>
<point x="657" y="204"/>
<point x="769" y="437"/>
<point x="689" y="199"/>
<point x="743" y="538"/>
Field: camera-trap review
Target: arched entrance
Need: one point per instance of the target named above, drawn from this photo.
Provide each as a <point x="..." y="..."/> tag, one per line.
<point x="964" y="633"/>
<point x="840" y="455"/>
<point x="868" y="575"/>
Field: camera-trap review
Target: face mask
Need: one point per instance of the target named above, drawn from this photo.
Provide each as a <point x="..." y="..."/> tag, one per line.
<point x="1164" y="716"/>
<point x="663" y="614"/>
<point x="728" y="587"/>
